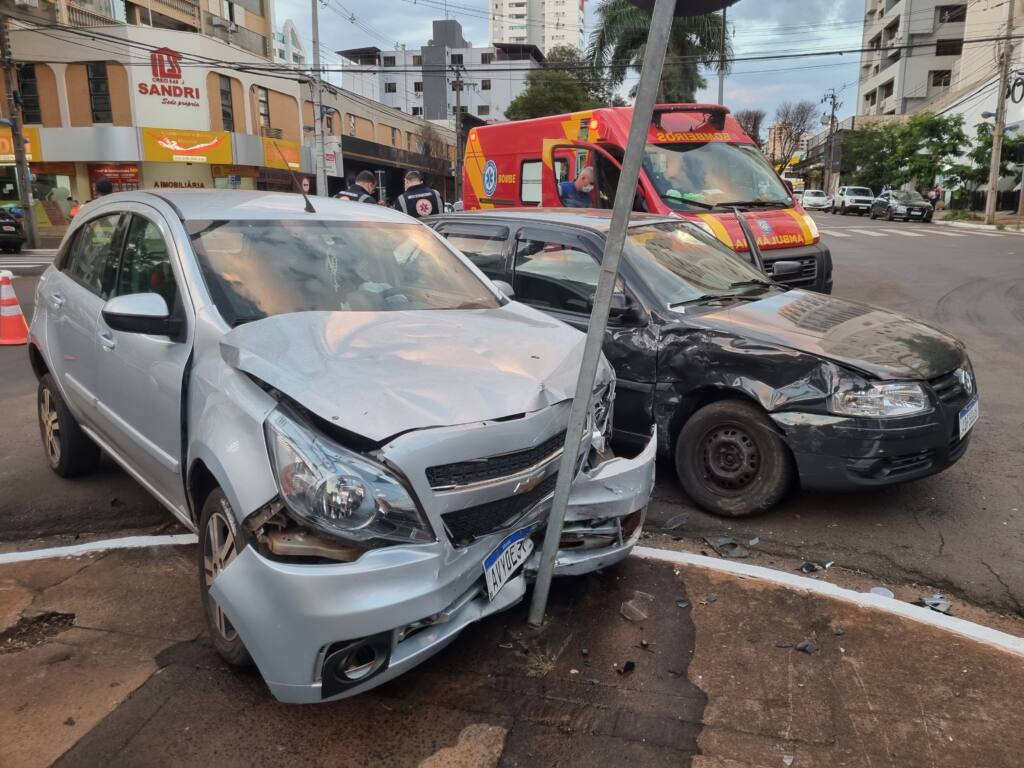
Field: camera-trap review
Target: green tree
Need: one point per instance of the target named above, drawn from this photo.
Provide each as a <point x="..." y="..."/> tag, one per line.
<point x="869" y="156"/>
<point x="566" y="83"/>
<point x="980" y="155"/>
<point x="619" y="40"/>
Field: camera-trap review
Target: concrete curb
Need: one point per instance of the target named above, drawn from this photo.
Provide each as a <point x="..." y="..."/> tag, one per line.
<point x="976" y="227"/>
<point x="985" y="635"/>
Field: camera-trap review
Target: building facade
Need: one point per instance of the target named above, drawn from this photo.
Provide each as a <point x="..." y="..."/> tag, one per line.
<point x="288" y="47"/>
<point x="773" y="146"/>
<point x="425" y="82"/>
<point x="895" y="79"/>
<point x="543" y="23"/>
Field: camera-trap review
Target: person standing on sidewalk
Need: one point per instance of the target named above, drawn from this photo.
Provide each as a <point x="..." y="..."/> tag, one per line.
<point x="419" y="200"/>
<point x="362" y="189"/>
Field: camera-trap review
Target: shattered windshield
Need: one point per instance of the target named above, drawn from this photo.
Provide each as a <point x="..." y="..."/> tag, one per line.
<point x="681" y="264"/>
<point x="693" y="177"/>
<point x="255" y="269"/>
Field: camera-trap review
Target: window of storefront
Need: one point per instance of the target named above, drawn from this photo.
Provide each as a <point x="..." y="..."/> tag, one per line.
<point x="263" y="105"/>
<point x="28" y="86"/>
<point x="227" y="107"/>
<point x="99" y="92"/>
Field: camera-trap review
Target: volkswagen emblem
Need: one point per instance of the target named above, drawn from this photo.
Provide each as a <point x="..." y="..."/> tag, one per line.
<point x="964" y="377"/>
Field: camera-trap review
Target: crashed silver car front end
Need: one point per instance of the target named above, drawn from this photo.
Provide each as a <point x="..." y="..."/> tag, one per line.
<point x="324" y="620"/>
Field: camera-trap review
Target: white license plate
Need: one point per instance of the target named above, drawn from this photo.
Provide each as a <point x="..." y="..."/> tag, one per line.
<point x="506" y="559"/>
<point x="969" y="417"/>
<point x="8" y="228"/>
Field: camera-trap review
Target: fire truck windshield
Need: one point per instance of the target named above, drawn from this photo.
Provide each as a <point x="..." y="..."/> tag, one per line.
<point x="695" y="177"/>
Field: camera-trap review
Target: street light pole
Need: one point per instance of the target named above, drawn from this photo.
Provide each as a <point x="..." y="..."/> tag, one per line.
<point x="1000" y="126"/>
<point x="22" y="172"/>
<point x="318" y="110"/>
<point x="721" y="59"/>
<point x="457" y="87"/>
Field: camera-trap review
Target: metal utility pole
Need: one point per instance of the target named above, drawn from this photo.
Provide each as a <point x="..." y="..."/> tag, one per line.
<point x="318" y="111"/>
<point x="1000" y="126"/>
<point x="832" y="99"/>
<point x="457" y="87"/>
<point x="722" y="59"/>
<point x="643" y="111"/>
<point x="21" y="170"/>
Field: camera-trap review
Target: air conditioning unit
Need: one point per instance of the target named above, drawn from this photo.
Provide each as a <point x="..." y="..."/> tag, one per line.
<point x="272" y="133"/>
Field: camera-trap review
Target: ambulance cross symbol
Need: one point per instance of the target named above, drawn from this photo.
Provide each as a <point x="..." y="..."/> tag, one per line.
<point x="490" y="178"/>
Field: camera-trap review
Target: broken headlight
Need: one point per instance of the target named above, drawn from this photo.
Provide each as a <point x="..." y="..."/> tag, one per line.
<point x="336" y="491"/>
<point x="881" y="401"/>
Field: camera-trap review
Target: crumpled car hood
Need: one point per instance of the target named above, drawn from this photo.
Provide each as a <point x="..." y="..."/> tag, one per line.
<point x="883" y="344"/>
<point x="378" y="374"/>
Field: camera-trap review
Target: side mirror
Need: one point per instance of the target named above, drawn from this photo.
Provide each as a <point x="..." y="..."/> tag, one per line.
<point x="782" y="269"/>
<point x="622" y="307"/>
<point x="140" y="313"/>
<point x="505" y="288"/>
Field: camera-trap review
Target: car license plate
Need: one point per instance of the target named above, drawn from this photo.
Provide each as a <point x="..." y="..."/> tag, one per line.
<point x="8" y="228"/>
<point x="968" y="417"/>
<point x="506" y="559"/>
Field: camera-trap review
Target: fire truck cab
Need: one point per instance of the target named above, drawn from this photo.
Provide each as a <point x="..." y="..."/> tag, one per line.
<point x="698" y="164"/>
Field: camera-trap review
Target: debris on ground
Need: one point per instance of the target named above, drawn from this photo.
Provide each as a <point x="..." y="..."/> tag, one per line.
<point x="838" y="631"/>
<point x="708" y="600"/>
<point x="810" y="566"/>
<point x="673" y="522"/>
<point x="883" y="591"/>
<point x="636" y="609"/>
<point x="806" y="646"/>
<point x="937" y="603"/>
<point x="727" y="547"/>
<point x="30" y="631"/>
<point x="626" y="668"/>
<point x="682" y="603"/>
<point x="69" y="721"/>
<point x="754" y="541"/>
<point x="787" y="759"/>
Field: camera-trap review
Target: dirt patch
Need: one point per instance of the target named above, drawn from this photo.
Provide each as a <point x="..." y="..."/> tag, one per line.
<point x="31" y="631"/>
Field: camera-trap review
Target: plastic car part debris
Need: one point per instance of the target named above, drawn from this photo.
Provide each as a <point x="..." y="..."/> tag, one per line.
<point x="635" y="609"/>
<point x="754" y="541"/>
<point x="708" y="600"/>
<point x="838" y="632"/>
<point x="937" y="603"/>
<point x="806" y="646"/>
<point x="727" y="547"/>
<point x="883" y="591"/>
<point x="810" y="566"/>
<point x="787" y="760"/>
<point x="682" y="603"/>
<point x="626" y="668"/>
<point x="673" y="522"/>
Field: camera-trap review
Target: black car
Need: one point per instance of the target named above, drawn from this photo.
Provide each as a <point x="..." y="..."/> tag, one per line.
<point x="901" y="204"/>
<point x="12" y="236"/>
<point x="751" y="386"/>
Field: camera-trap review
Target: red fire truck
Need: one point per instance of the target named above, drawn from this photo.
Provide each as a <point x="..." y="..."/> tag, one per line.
<point x="699" y="164"/>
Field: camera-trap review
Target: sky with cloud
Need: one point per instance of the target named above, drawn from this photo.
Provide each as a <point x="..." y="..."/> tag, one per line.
<point x="760" y="28"/>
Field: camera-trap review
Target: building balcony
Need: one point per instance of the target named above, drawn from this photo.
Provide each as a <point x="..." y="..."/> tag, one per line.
<point x="85" y="16"/>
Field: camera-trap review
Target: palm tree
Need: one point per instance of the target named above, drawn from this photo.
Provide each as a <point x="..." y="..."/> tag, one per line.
<point x="620" y="37"/>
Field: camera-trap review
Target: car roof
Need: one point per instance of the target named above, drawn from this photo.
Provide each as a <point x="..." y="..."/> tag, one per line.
<point x="220" y="204"/>
<point x="597" y="219"/>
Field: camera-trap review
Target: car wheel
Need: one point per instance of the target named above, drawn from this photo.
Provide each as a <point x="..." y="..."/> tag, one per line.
<point x="731" y="461"/>
<point x="17" y="248"/>
<point x="68" y="449"/>
<point x="842" y="209"/>
<point x="889" y="215"/>
<point x="220" y="542"/>
<point x="871" y="213"/>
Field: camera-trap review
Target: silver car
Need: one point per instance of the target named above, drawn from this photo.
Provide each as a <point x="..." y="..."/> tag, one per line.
<point x="362" y="429"/>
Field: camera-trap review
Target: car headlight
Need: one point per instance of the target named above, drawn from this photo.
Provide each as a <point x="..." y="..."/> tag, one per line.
<point x="881" y="401"/>
<point x="901" y="209"/>
<point x="811" y="226"/>
<point x="336" y="491"/>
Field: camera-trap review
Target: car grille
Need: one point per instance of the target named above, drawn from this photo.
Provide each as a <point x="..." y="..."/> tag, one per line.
<point x="948" y="388"/>
<point x="808" y="271"/>
<point x="467" y="524"/>
<point x="462" y="473"/>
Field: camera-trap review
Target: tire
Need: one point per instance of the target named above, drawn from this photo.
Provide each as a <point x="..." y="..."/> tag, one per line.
<point x="871" y="213"/>
<point x="730" y="460"/>
<point x="17" y="248"/>
<point x="217" y="526"/>
<point x="68" y="449"/>
<point x="889" y="215"/>
<point x="842" y="209"/>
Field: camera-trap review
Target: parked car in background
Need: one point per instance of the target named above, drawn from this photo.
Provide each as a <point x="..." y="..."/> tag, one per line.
<point x="816" y="200"/>
<point x="362" y="429"/>
<point x="902" y="204"/>
<point x="752" y="387"/>
<point x="12" y="234"/>
<point x="855" y="199"/>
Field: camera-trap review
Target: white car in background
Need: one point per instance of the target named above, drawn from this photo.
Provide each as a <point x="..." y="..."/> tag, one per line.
<point x="816" y="200"/>
<point x="856" y="199"/>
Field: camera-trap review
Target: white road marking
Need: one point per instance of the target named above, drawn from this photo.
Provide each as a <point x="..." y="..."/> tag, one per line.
<point x="76" y="550"/>
<point x="833" y="233"/>
<point x="989" y="234"/>
<point x="957" y="626"/>
<point x="868" y="232"/>
<point x="903" y="232"/>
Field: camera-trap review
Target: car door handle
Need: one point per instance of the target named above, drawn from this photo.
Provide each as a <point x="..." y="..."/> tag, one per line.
<point x="107" y="340"/>
<point x="57" y="300"/>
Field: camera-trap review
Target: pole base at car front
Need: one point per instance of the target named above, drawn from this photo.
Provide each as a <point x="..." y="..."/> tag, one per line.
<point x="643" y="111"/>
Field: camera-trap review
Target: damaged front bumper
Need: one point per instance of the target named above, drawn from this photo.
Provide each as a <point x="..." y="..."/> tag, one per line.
<point x="319" y="632"/>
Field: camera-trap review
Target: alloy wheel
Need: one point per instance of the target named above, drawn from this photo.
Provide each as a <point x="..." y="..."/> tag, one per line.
<point x="50" y="422"/>
<point x="218" y="551"/>
<point x="730" y="459"/>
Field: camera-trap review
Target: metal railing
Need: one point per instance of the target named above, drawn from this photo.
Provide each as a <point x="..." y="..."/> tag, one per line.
<point x="80" y="16"/>
<point x="188" y="7"/>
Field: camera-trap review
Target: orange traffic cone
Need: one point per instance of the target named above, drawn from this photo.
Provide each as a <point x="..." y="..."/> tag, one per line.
<point x="13" y="328"/>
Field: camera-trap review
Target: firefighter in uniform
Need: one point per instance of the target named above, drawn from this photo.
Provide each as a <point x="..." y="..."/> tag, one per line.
<point x="362" y="189"/>
<point x="418" y="200"/>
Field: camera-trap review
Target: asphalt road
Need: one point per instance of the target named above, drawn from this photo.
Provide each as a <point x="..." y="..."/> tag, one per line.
<point x="961" y="531"/>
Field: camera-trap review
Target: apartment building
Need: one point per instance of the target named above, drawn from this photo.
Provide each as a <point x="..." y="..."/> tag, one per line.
<point x="777" y="135"/>
<point x="288" y="47"/>
<point x="422" y="82"/>
<point x="543" y="23"/>
<point x="912" y="48"/>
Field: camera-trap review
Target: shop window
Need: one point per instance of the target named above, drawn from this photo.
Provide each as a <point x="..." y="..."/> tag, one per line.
<point x="390" y="87"/>
<point x="263" y="106"/>
<point x="483" y="110"/>
<point x="417" y="86"/>
<point x="28" y="86"/>
<point x="227" y="107"/>
<point x="99" y="92"/>
<point x="485" y="85"/>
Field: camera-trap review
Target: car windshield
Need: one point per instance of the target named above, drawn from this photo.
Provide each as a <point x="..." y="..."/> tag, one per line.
<point x="692" y="176"/>
<point x="255" y="269"/>
<point x="859" y="192"/>
<point x="682" y="264"/>
<point x="814" y="193"/>
<point x="905" y="196"/>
